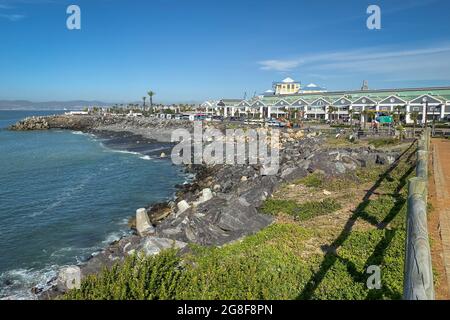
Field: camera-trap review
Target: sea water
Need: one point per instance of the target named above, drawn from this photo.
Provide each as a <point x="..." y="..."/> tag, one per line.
<point x="63" y="196"/>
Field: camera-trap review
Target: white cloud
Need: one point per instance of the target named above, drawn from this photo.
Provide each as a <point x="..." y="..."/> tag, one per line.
<point x="12" y="17"/>
<point x="279" y="65"/>
<point x="424" y="63"/>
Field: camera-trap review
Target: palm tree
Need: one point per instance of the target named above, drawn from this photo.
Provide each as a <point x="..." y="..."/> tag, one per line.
<point x="330" y="112"/>
<point x="144" y="98"/>
<point x="350" y="113"/>
<point x="151" y="94"/>
<point x="414" y="117"/>
<point x="371" y="114"/>
<point x="398" y="109"/>
<point x="364" y="113"/>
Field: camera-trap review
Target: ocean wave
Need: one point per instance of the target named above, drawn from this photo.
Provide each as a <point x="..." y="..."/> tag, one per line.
<point x="146" y="158"/>
<point x="114" y="236"/>
<point x="64" y="195"/>
<point x="16" y="284"/>
<point x="124" y="151"/>
<point x="81" y="133"/>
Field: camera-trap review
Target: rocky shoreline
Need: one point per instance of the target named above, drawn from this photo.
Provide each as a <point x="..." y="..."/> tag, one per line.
<point x="222" y="204"/>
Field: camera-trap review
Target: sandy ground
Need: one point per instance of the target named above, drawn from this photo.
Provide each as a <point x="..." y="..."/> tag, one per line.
<point x="439" y="217"/>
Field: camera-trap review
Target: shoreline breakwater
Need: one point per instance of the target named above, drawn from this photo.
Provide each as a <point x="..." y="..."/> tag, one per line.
<point x="222" y="203"/>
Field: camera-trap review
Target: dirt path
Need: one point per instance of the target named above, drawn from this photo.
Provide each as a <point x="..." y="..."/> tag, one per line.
<point x="439" y="219"/>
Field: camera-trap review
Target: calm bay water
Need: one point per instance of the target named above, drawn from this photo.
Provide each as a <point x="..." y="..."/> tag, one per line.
<point x="63" y="195"/>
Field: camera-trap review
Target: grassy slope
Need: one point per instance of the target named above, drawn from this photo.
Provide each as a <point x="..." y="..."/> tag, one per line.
<point x="286" y="260"/>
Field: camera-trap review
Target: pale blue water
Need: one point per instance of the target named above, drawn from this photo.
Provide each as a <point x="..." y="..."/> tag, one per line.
<point x="63" y="195"/>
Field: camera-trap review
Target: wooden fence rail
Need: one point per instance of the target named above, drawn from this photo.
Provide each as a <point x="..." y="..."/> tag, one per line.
<point x="418" y="280"/>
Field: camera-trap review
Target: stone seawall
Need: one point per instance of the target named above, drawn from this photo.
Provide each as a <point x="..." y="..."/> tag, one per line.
<point x="71" y="122"/>
<point x="151" y="128"/>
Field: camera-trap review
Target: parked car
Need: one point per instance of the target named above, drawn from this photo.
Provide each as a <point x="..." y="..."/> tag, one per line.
<point x="237" y="118"/>
<point x="276" y="123"/>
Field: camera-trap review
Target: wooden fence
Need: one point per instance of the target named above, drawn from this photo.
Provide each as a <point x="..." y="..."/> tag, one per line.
<point x="418" y="280"/>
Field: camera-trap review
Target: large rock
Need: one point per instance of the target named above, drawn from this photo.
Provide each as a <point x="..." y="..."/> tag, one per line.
<point x="182" y="206"/>
<point x="206" y="194"/>
<point x="143" y="225"/>
<point x="154" y="245"/>
<point x="294" y="173"/>
<point x="69" y="278"/>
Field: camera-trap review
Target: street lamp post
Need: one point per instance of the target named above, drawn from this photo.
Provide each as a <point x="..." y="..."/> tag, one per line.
<point x="434" y="123"/>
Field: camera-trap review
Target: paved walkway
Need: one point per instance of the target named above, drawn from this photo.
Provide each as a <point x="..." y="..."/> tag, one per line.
<point x="441" y="168"/>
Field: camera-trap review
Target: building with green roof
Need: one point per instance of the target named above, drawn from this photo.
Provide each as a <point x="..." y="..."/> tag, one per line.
<point x="432" y="101"/>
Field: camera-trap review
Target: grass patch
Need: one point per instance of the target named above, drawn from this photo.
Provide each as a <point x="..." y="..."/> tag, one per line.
<point x="384" y="142"/>
<point x="302" y="212"/>
<point x="317" y="180"/>
<point x="313" y="180"/>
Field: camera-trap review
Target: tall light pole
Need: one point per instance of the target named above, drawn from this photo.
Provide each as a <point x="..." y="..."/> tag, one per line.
<point x="426" y="113"/>
<point x="434" y="122"/>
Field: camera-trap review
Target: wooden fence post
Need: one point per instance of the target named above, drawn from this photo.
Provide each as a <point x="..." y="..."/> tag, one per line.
<point x="418" y="277"/>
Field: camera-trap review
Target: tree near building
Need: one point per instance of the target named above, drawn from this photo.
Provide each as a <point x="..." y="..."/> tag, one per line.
<point x="350" y="114"/>
<point x="364" y="114"/>
<point x="414" y="117"/>
<point x="150" y="95"/>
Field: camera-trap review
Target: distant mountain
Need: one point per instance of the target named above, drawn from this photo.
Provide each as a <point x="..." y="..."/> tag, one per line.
<point x="49" y="105"/>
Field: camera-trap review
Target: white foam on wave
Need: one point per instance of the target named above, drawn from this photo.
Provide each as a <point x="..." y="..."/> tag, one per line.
<point x="114" y="236"/>
<point x="91" y="136"/>
<point x="146" y="158"/>
<point x="123" y="151"/>
<point x="16" y="284"/>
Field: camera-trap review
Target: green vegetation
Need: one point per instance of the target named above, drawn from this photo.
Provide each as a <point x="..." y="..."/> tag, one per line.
<point x="383" y="142"/>
<point x="284" y="261"/>
<point x="314" y="180"/>
<point x="302" y="212"/>
<point x="318" y="181"/>
<point x="263" y="266"/>
<point x="136" y="279"/>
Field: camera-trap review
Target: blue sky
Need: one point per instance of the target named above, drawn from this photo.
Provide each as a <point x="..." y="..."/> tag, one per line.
<point x="192" y="50"/>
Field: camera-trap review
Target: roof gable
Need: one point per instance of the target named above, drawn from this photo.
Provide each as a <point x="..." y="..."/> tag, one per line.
<point x="299" y="103"/>
<point x="392" y="100"/>
<point x="288" y="80"/>
<point x="320" y="102"/>
<point x="207" y="104"/>
<point x="426" y="98"/>
<point x="258" y="104"/>
<point x="343" y="101"/>
<point x="281" y="103"/>
<point x="243" y="103"/>
<point x="365" y="101"/>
